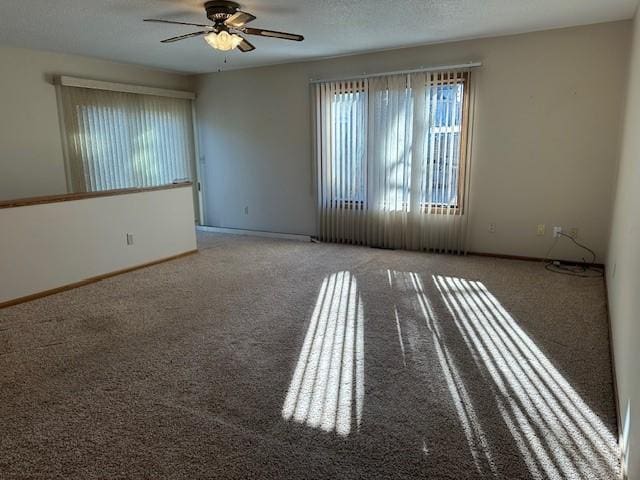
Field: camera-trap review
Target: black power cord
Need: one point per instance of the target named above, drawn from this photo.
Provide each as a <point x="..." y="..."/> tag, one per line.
<point x="583" y="270"/>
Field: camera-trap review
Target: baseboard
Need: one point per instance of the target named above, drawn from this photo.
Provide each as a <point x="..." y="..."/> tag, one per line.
<point x="506" y="257"/>
<point x="256" y="233"/>
<point x="87" y="281"/>
<point x="616" y="394"/>
<point x="523" y="258"/>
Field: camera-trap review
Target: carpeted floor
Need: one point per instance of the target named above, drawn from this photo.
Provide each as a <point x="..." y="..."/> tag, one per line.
<point x="260" y="358"/>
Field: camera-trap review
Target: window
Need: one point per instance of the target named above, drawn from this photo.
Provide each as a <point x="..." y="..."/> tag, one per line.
<point x="443" y="143"/>
<point x="116" y="140"/>
<point x="349" y="145"/>
<point x="392" y="163"/>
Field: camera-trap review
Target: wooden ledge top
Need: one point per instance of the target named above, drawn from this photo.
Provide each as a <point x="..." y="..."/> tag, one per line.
<point x="68" y="197"/>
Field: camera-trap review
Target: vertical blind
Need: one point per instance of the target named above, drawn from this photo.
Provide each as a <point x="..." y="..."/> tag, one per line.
<point x="392" y="160"/>
<point x="120" y="140"/>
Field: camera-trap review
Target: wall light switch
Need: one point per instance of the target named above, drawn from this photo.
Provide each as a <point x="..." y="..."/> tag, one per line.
<point x="129" y="238"/>
<point x="541" y="229"/>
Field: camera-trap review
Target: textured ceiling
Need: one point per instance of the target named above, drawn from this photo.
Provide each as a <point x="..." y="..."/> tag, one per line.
<point x="113" y="29"/>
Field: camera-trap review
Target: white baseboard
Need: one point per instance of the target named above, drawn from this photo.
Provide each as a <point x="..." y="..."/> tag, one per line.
<point x="255" y="233"/>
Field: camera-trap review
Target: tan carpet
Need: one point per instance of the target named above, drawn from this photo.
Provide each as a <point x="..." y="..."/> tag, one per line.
<point x="261" y="358"/>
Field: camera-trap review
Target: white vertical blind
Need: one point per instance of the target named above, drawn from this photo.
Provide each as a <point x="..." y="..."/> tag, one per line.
<point x="392" y="160"/>
<point x="342" y="146"/>
<point x="122" y="140"/>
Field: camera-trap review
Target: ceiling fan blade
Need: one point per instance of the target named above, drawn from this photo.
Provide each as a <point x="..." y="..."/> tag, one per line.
<point x="175" y="23"/>
<point x="270" y="33"/>
<point x="239" y="19"/>
<point x="182" y="37"/>
<point x="246" y="46"/>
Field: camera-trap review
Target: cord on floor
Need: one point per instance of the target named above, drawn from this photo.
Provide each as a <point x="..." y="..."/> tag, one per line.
<point x="582" y="270"/>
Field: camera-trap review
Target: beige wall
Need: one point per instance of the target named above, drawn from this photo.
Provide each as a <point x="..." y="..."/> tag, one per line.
<point x="43" y="247"/>
<point x="546" y="141"/>
<point x="31" y="161"/>
<point x="623" y="269"/>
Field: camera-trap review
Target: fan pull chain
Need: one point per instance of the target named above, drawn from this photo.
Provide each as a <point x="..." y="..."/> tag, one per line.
<point x="220" y="68"/>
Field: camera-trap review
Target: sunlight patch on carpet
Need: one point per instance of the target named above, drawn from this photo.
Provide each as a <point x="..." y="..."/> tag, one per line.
<point x="327" y="388"/>
<point x="411" y="285"/>
<point x="557" y="433"/>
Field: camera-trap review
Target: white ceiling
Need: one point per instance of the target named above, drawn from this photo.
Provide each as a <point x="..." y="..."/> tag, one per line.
<point x="113" y="29"/>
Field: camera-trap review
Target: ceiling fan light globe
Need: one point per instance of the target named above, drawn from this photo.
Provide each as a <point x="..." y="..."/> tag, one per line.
<point x="223" y="41"/>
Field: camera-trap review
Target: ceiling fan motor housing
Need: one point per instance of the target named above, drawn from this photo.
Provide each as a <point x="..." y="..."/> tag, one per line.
<point x="220" y="10"/>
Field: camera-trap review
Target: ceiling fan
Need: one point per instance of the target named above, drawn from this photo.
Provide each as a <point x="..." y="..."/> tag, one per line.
<point x="228" y="25"/>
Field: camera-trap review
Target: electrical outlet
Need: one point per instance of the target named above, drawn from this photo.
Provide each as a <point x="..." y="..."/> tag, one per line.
<point x="557" y="231"/>
<point x="492" y="228"/>
<point x="246" y="210"/>
<point x="129" y="238"/>
<point x="573" y="232"/>
<point x="541" y="229"/>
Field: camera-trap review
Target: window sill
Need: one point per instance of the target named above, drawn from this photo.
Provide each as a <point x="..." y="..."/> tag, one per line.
<point x="434" y="210"/>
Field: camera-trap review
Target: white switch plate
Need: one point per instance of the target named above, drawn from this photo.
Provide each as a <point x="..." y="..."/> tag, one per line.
<point x="541" y="229"/>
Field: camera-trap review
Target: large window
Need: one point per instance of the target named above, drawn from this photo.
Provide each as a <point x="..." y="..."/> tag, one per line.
<point x="117" y="140"/>
<point x="440" y="164"/>
<point x="392" y="159"/>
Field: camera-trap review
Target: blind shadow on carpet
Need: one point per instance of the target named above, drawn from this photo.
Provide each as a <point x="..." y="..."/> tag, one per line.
<point x="554" y="431"/>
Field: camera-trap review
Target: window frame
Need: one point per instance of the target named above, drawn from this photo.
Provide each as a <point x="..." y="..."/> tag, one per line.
<point x="460" y="78"/>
